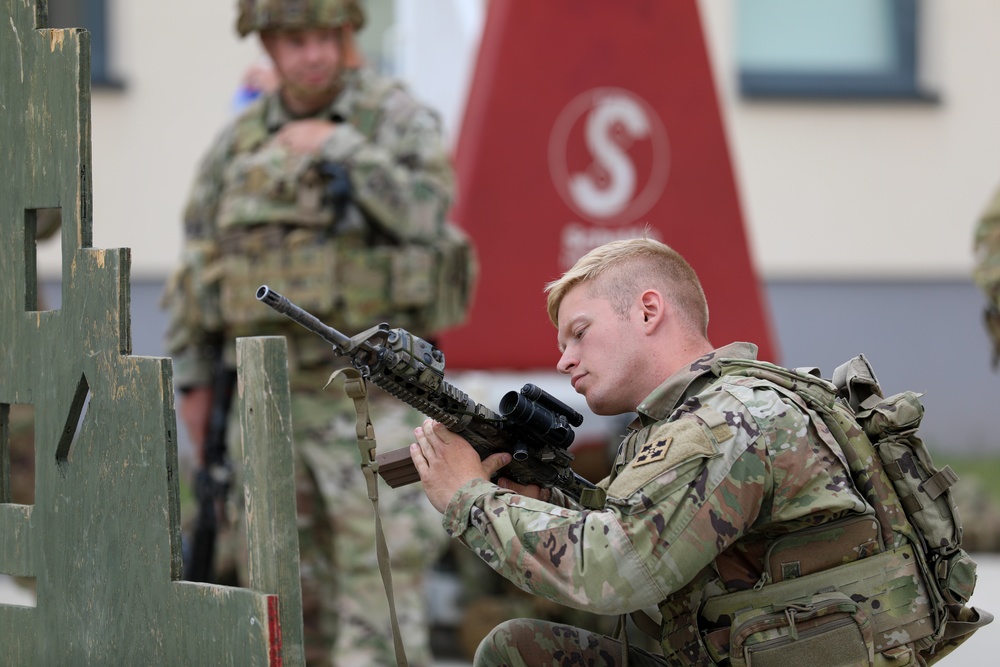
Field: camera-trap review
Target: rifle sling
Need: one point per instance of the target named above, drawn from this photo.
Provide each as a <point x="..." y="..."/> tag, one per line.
<point x="354" y="385"/>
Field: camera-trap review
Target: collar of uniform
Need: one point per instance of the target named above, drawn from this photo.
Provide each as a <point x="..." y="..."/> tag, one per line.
<point x="341" y="109"/>
<point x="688" y="381"/>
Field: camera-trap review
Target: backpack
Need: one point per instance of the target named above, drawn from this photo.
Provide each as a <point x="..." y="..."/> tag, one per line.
<point x="893" y="471"/>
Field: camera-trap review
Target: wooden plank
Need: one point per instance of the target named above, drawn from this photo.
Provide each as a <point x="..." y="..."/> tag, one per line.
<point x="272" y="526"/>
<point x="102" y="538"/>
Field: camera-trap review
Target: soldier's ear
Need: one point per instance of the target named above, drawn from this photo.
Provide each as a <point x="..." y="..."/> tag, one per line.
<point x="652" y="307"/>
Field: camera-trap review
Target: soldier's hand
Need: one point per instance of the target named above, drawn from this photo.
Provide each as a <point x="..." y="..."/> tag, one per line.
<point x="447" y="461"/>
<point x="306" y="136"/>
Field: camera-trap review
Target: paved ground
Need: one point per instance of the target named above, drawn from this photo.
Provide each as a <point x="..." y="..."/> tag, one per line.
<point x="978" y="650"/>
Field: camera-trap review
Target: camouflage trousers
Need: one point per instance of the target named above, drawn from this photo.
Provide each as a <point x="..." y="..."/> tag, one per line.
<point x="345" y="611"/>
<point x="525" y="642"/>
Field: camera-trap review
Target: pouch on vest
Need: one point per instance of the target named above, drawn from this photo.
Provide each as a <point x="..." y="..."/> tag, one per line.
<point x="887" y="588"/>
<point x="822" y="547"/>
<point x="417" y="286"/>
<point x="824" y="630"/>
<point x="298" y="263"/>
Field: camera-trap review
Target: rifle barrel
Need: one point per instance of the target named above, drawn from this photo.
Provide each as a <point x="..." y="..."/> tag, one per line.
<point x="281" y="304"/>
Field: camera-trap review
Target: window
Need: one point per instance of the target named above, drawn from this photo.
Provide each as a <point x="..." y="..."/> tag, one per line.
<point x="861" y="49"/>
<point x="92" y="15"/>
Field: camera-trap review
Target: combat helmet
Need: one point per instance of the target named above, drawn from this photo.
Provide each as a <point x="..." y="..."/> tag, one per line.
<point x="259" y="15"/>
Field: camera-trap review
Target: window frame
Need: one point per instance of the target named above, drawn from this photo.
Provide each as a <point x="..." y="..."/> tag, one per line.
<point x="901" y="83"/>
<point x="93" y="16"/>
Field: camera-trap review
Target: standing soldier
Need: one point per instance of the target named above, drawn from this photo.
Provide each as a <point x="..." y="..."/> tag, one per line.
<point x="334" y="191"/>
<point x="986" y="272"/>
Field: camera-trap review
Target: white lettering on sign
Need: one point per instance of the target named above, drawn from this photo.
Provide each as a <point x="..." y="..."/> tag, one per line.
<point x="578" y="239"/>
<point x="609" y="157"/>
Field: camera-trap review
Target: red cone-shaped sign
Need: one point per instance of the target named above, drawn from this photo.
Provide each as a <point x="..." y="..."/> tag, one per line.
<point x="588" y="121"/>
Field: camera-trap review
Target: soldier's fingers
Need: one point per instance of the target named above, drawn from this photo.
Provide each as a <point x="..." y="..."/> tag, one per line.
<point x="441" y="436"/>
<point x="425" y="440"/>
<point x="494" y="462"/>
<point x="419" y="462"/>
<point x="435" y="433"/>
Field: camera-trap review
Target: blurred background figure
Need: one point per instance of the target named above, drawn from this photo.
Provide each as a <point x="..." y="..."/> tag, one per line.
<point x="986" y="272"/>
<point x="332" y="187"/>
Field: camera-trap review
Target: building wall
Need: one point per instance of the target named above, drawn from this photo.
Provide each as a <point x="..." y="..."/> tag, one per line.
<point x="871" y="189"/>
<point x="830" y="190"/>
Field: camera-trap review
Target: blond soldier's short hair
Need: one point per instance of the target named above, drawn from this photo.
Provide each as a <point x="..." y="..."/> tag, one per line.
<point x="620" y="270"/>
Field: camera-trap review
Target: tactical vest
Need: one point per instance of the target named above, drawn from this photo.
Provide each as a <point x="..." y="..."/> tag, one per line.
<point x="886" y="590"/>
<point x="280" y="223"/>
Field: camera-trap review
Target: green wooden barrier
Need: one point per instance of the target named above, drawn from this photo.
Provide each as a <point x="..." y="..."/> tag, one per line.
<point x="102" y="539"/>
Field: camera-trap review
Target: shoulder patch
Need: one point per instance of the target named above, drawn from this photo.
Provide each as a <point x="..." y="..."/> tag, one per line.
<point x="652" y="452"/>
<point x="667" y="447"/>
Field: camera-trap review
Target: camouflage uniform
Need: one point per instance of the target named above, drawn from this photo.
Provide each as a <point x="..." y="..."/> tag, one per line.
<point x="986" y="273"/>
<point x="712" y="470"/>
<point x="256" y="215"/>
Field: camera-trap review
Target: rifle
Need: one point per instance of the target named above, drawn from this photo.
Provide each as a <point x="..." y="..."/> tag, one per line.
<point x="534" y="426"/>
<point x="211" y="484"/>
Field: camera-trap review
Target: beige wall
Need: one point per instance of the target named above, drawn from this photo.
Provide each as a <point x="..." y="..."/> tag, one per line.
<point x="872" y="189"/>
<point x="829" y="190"/>
<point x="180" y="61"/>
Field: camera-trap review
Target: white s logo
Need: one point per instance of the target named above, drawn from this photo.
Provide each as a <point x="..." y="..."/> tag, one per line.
<point x="610" y="186"/>
<point x="606" y="199"/>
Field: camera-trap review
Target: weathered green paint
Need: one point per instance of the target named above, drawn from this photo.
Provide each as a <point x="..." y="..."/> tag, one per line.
<point x="272" y="528"/>
<point x="103" y="538"/>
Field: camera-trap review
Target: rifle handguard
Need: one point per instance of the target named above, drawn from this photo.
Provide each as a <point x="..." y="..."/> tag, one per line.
<point x="534" y="426"/>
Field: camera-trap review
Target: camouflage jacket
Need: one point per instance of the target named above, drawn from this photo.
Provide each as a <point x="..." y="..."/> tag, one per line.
<point x="401" y="186"/>
<point x="713" y="469"/>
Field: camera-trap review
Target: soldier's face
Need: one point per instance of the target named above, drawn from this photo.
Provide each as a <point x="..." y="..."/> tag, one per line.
<point x="601" y="351"/>
<point x="308" y="61"/>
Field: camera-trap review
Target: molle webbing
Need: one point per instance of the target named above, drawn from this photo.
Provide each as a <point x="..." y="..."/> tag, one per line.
<point x="911" y="499"/>
<point x="885" y="585"/>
